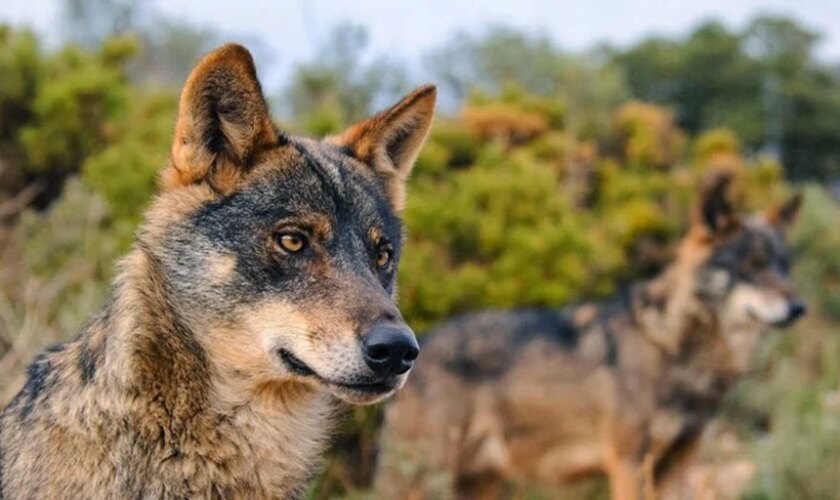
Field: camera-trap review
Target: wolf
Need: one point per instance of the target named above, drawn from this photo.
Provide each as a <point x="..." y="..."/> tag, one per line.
<point x="622" y="387"/>
<point x="256" y="301"/>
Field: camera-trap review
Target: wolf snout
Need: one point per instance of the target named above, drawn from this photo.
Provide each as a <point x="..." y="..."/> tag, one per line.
<point x="796" y="309"/>
<point x="390" y="350"/>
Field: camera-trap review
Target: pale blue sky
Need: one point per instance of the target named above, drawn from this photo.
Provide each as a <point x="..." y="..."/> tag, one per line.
<point x="291" y="29"/>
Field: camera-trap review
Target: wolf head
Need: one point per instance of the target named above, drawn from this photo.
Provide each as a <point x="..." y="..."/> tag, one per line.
<point x="745" y="271"/>
<point x="732" y="269"/>
<point x="280" y="253"/>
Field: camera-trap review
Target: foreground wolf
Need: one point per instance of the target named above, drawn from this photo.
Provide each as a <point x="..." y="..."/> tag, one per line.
<point x="256" y="299"/>
<point x="623" y="387"/>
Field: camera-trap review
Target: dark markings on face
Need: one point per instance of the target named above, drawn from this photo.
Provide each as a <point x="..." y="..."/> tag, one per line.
<point x="757" y="255"/>
<point x="317" y="182"/>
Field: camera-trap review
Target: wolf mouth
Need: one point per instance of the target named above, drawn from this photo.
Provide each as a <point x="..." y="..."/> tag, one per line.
<point x="298" y="367"/>
<point x="295" y="365"/>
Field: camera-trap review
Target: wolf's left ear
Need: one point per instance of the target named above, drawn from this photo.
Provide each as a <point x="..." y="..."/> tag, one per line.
<point x="714" y="211"/>
<point x="783" y="215"/>
<point x="223" y="122"/>
<point x="389" y="141"/>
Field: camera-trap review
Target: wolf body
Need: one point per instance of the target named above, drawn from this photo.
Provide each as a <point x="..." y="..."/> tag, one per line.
<point x="623" y="387"/>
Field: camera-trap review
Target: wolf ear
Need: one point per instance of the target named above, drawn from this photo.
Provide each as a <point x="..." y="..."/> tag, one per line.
<point x="783" y="215"/>
<point x="389" y="141"/>
<point x="223" y="122"/>
<point x="714" y="211"/>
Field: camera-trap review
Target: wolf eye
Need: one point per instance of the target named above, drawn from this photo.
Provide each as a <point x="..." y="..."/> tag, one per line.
<point x="383" y="257"/>
<point x="291" y="242"/>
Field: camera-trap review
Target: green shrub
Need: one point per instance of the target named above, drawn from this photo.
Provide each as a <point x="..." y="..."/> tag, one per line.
<point x="77" y="100"/>
<point x="125" y="171"/>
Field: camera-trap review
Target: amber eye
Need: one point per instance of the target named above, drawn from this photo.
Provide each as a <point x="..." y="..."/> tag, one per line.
<point x="383" y="257"/>
<point x="290" y="241"/>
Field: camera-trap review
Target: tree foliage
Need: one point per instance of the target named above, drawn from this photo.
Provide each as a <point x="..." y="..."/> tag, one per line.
<point x="764" y="82"/>
<point x="500" y="57"/>
<point x="57" y="109"/>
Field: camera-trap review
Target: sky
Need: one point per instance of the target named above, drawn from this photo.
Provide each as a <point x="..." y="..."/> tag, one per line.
<point x="292" y="29"/>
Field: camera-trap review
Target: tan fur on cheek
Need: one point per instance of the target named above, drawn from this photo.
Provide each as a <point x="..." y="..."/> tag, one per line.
<point x="248" y="346"/>
<point x="276" y="321"/>
<point x="244" y="355"/>
<point x="239" y="352"/>
<point x="221" y="267"/>
<point x="322" y="338"/>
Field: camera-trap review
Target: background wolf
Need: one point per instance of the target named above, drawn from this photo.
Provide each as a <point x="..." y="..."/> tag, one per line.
<point x="257" y="296"/>
<point x="624" y="386"/>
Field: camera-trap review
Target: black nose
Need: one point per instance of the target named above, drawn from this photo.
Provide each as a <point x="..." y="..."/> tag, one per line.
<point x="390" y="350"/>
<point x="796" y="309"/>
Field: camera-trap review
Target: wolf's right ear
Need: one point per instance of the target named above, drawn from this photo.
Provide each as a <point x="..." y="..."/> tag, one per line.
<point x="223" y="122"/>
<point x="390" y="141"/>
<point x="713" y="211"/>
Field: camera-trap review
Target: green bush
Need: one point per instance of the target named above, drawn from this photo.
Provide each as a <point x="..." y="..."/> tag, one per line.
<point x="77" y="99"/>
<point x="125" y="171"/>
<point x="56" y="109"/>
<point x="21" y="67"/>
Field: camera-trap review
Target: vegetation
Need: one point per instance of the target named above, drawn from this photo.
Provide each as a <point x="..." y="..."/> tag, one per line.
<point x="560" y="177"/>
<point x="763" y="82"/>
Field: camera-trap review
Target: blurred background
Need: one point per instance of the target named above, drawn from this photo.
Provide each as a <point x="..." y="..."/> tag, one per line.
<point x="567" y="149"/>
